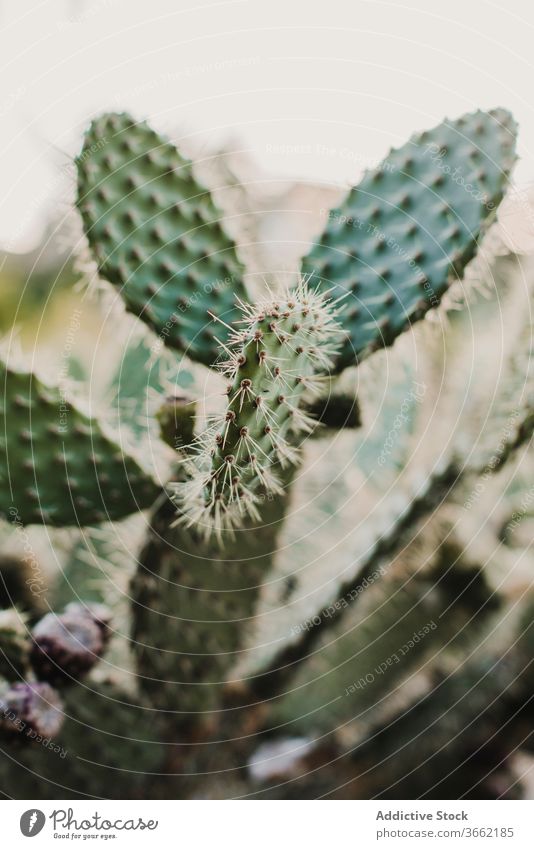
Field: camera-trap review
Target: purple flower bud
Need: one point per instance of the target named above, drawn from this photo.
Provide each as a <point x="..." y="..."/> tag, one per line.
<point x="100" y="614"/>
<point x="32" y="710"/>
<point x="66" y="646"/>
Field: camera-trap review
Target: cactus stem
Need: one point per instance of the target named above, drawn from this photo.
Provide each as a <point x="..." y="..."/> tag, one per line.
<point x="274" y="358"/>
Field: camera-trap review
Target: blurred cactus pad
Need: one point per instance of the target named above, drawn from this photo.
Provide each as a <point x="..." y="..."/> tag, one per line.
<point x="268" y="534"/>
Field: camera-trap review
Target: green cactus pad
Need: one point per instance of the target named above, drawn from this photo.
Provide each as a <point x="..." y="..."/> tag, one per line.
<point x="395" y="630"/>
<point x="407" y="231"/>
<point x="270" y="673"/>
<point x="156" y="234"/>
<point x="57" y="465"/>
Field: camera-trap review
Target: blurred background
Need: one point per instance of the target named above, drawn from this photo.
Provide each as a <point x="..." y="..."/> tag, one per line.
<point x="309" y="91"/>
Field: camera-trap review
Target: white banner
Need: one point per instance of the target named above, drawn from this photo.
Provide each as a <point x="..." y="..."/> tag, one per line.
<point x="264" y="825"/>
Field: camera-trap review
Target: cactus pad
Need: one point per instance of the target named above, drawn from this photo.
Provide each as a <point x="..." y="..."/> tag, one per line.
<point x="156" y="233"/>
<point x="407" y="231"/>
<point x="57" y="464"/>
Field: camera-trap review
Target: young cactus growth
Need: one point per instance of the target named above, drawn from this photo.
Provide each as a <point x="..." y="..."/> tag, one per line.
<point x="273" y="362"/>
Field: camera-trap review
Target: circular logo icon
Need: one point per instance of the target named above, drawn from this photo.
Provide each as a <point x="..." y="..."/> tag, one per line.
<point x="32" y="822"/>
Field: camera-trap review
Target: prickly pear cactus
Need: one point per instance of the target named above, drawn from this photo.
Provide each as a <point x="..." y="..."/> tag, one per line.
<point x="406" y="232"/>
<point x="58" y="464"/>
<point x="379" y="601"/>
<point x="156" y="234"/>
<point x="284" y="346"/>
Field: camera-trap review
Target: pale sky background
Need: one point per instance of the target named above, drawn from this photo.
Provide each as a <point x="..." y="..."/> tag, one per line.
<point x="313" y="90"/>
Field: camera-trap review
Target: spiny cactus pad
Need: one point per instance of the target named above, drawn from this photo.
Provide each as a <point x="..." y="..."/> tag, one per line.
<point x="407" y="231"/>
<point x="57" y="465"/>
<point x="156" y="233"/>
<point x="285" y="343"/>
